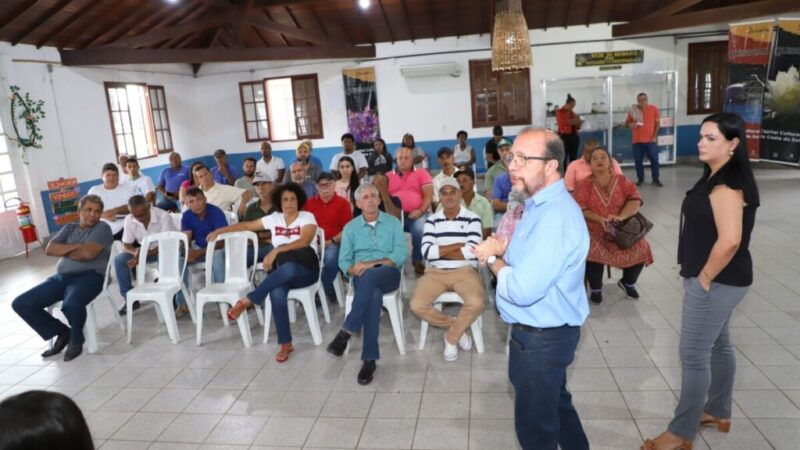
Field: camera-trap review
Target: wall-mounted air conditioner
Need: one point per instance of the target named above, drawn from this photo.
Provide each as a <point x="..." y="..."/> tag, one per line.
<point x="431" y="70"/>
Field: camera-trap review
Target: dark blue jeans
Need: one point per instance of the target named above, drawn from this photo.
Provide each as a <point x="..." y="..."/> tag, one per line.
<point x="416" y="228"/>
<point x="277" y="285"/>
<point x="367" y="302"/>
<point x="168" y="204"/>
<point x="331" y="267"/>
<point x="651" y="151"/>
<point x="123" y="272"/>
<point x="543" y="413"/>
<point x="263" y="251"/>
<point x="74" y="290"/>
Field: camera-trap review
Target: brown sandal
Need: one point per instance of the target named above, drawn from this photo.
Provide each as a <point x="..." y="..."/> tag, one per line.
<point x="722" y="425"/>
<point x="283" y="353"/>
<point x="649" y="444"/>
<point x="236" y="310"/>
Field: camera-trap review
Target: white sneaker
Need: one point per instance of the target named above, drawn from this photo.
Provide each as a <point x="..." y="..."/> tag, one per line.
<point x="465" y="343"/>
<point x="450" y="351"/>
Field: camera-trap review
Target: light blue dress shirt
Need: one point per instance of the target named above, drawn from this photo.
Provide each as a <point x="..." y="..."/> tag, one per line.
<point x="542" y="286"/>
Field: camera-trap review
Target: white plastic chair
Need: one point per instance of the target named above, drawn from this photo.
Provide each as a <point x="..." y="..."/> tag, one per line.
<point x="393" y="302"/>
<point x="450" y="298"/>
<point x="306" y="297"/>
<point x="116" y="249"/>
<point x="170" y="280"/>
<point x="89" y="328"/>
<point x="238" y="280"/>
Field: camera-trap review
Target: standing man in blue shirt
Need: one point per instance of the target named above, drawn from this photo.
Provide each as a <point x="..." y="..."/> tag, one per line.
<point x="372" y="252"/>
<point x="540" y="292"/>
<point x="224" y="173"/>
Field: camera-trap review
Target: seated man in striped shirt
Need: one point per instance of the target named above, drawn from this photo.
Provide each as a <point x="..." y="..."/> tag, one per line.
<point x="447" y="241"/>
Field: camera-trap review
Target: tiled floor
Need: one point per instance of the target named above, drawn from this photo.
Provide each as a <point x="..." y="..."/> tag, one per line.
<point x="156" y="395"/>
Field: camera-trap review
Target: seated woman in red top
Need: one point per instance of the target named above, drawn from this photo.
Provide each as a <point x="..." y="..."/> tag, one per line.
<point x="606" y="197"/>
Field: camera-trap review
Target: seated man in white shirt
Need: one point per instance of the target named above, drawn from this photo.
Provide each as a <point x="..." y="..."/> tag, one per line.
<point x="221" y="195"/>
<point x="140" y="184"/>
<point x="115" y="197"/>
<point x="269" y="165"/>
<point x="143" y="221"/>
<point x="122" y="161"/>
<point x="449" y="237"/>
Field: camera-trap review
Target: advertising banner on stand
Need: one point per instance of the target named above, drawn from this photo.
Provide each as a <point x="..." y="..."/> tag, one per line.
<point x="780" y="125"/>
<point x="361" y="102"/>
<point x="748" y="58"/>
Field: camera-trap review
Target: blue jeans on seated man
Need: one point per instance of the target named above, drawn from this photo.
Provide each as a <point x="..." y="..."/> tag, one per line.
<point x="367" y="303"/>
<point x="544" y="417"/>
<point x="651" y="151"/>
<point x="168" y="204"/>
<point x="330" y="267"/>
<point x="287" y="276"/>
<point x="217" y="273"/>
<point x="74" y="290"/>
<point x="124" y="272"/>
<point x="416" y="228"/>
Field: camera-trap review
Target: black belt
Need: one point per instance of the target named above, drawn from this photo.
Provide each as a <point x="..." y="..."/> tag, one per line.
<point x="530" y="329"/>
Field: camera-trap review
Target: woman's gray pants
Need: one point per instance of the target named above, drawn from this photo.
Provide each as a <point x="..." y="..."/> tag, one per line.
<point x="707" y="355"/>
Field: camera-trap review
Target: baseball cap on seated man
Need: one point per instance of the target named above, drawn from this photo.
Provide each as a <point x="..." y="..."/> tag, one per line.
<point x="449" y="181"/>
<point x="259" y="178"/>
<point x="503" y="142"/>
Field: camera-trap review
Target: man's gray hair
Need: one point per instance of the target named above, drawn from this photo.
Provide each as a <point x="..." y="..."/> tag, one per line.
<point x="91" y="198"/>
<point x="365" y="187"/>
<point x="553" y="147"/>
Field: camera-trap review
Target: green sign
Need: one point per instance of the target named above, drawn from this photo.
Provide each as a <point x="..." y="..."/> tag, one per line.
<point x="609" y="58"/>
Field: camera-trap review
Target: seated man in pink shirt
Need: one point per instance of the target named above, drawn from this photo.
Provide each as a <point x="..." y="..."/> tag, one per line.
<point x="414" y="188"/>
<point x="579" y="169"/>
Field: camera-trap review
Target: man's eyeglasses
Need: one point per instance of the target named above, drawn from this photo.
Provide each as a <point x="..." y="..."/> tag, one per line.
<point x="324" y="185"/>
<point x="521" y="159"/>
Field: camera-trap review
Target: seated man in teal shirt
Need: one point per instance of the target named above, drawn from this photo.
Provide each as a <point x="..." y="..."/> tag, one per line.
<point x="372" y="252"/>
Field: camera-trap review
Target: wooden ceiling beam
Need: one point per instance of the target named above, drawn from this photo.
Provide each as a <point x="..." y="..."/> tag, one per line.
<point x="226" y="37"/>
<point x="271" y="25"/>
<point x="90" y="25"/>
<point x="165" y="18"/>
<point x="166" y="33"/>
<point x="457" y="12"/>
<point x="280" y="35"/>
<point x="241" y="21"/>
<point x="189" y="17"/>
<point x="104" y="56"/>
<point x="546" y="13"/>
<point x="39" y="21"/>
<point x="343" y="23"/>
<point x="386" y="19"/>
<point x="74" y="17"/>
<point x="610" y="17"/>
<point x="706" y="17"/>
<point x="589" y="13"/>
<point x="408" y="21"/>
<point x="674" y="8"/>
<point x="16" y="12"/>
<point x="128" y="24"/>
<point x="294" y="20"/>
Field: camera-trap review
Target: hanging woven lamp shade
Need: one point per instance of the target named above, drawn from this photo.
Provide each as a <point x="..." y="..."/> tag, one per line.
<point x="511" y="45"/>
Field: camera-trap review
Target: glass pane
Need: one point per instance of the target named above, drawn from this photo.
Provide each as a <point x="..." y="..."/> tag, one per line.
<point x="247" y="93"/>
<point x="112" y="96"/>
<point x="6" y="197"/>
<point x="261" y="110"/>
<point x="121" y="145"/>
<point x="302" y="127"/>
<point x="157" y="121"/>
<point x="154" y="99"/>
<point x="164" y="120"/>
<point x="167" y="140"/>
<point x="162" y="102"/>
<point x="117" y="122"/>
<point x="281" y="109"/>
<point x="263" y="129"/>
<point x="129" y="145"/>
<point x="259" y="92"/>
<point x="123" y="98"/>
<point x="249" y="112"/>
<point x="7" y="182"/>
<point x="160" y="140"/>
<point x="252" y="133"/>
<point x="5" y="163"/>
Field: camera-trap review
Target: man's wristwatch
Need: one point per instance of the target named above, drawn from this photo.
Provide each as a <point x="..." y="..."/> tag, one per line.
<point x="491" y="260"/>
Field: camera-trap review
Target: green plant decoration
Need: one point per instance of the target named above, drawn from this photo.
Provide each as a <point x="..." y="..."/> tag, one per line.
<point x="24" y="108"/>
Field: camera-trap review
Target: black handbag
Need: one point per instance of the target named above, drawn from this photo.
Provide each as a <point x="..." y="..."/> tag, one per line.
<point x="305" y="256"/>
<point x="628" y="232"/>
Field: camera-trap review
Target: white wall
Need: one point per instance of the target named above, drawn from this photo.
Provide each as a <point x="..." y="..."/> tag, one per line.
<point x="205" y="111"/>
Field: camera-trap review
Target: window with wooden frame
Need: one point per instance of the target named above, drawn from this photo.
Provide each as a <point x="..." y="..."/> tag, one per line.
<point x="139" y="119"/>
<point x="708" y="68"/>
<point x="499" y="98"/>
<point x="282" y="109"/>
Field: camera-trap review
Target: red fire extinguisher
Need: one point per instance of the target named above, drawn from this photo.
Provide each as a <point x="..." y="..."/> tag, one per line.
<point x="25" y="221"/>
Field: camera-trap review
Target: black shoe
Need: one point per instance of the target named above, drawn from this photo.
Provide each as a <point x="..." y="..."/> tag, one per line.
<point x="73" y="351"/>
<point x="339" y="343"/>
<point x="640" y="182"/>
<point x="630" y="291"/>
<point x="124" y="310"/>
<point x="366" y="373"/>
<point x="331" y="296"/>
<point x="596" y="297"/>
<point x="657" y="183"/>
<point x="58" y="346"/>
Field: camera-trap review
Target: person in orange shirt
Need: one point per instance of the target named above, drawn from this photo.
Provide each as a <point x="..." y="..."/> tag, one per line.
<point x="568" y="125"/>
<point x="643" y="120"/>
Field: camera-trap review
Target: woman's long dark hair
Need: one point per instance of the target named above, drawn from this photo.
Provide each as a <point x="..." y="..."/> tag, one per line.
<point x="353" y="183"/>
<point x="570" y="99"/>
<point x="731" y="126"/>
<point x="43" y="419"/>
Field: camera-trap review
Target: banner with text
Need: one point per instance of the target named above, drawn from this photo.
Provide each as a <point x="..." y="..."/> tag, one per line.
<point x="780" y="125"/>
<point x="748" y="57"/>
<point x="361" y="102"/>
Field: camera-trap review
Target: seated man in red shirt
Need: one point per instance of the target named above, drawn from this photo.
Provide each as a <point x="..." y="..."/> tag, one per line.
<point x="414" y="187"/>
<point x="332" y="213"/>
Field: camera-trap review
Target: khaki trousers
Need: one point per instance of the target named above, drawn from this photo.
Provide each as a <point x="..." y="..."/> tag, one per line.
<point x="466" y="282"/>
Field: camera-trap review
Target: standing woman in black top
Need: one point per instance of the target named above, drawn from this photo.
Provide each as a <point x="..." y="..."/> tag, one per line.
<point x="717" y="218"/>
